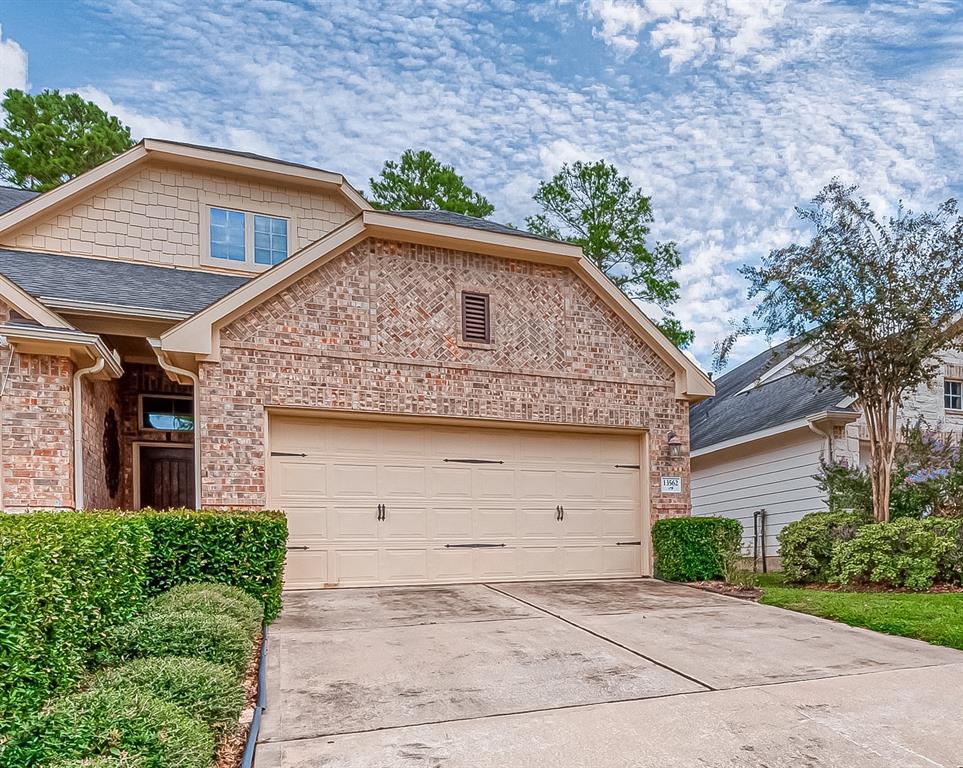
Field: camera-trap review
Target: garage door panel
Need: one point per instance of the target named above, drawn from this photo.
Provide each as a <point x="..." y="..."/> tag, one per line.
<point x="306" y="570"/>
<point x="350" y="522"/>
<point x="351" y="480"/>
<point x="450" y="523"/>
<point x="495" y="524"/>
<point x="398" y="480"/>
<point x="307" y="522"/>
<point x="356" y="566"/>
<point x="450" y="482"/>
<point x="333" y="496"/>
<point x="404" y="522"/>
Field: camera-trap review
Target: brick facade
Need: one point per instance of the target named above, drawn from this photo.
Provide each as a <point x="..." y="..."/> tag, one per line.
<point x="98" y="401"/>
<point x="155" y="215"/>
<point x="377" y="330"/>
<point x="36" y="429"/>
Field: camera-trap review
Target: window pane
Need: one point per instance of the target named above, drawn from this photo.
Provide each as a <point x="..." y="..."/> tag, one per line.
<point x="270" y="240"/>
<point x="171" y="414"/>
<point x="227" y="234"/>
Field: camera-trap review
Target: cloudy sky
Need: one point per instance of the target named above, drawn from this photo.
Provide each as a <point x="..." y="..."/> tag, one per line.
<point x="727" y="112"/>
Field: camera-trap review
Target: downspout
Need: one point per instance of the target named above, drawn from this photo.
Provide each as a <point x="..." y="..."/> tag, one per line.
<point x="78" y="429"/>
<point x="827" y="436"/>
<point x="197" y="421"/>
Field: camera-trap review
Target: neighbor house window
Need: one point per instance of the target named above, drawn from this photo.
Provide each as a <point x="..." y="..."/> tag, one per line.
<point x="247" y="238"/>
<point x="476" y="317"/>
<point x="953" y="395"/>
<point x="167" y="413"/>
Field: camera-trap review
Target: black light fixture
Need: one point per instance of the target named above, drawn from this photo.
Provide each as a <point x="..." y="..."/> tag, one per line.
<point x="675" y="445"/>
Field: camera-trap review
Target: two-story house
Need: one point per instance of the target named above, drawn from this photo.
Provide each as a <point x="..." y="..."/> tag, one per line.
<point x="430" y="397"/>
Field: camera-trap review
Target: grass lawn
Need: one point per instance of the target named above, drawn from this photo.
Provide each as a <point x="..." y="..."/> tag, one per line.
<point x="935" y="618"/>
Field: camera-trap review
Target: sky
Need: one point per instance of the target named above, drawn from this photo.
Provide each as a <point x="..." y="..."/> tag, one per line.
<point x="728" y="113"/>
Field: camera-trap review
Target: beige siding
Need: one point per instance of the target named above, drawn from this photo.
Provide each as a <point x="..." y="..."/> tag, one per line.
<point x="775" y="474"/>
<point x="156" y="216"/>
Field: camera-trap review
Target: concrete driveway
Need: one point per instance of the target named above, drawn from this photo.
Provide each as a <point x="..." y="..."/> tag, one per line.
<point x="597" y="674"/>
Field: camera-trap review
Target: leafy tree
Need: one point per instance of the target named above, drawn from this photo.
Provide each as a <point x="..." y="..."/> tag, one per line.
<point x="50" y="137"/>
<point x="870" y="305"/>
<point x="596" y="207"/>
<point x="419" y="182"/>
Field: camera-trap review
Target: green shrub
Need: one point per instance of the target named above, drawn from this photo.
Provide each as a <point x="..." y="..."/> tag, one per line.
<point x="949" y="563"/>
<point x="208" y="691"/>
<point x="243" y="548"/>
<point x="112" y="722"/>
<point x="695" y="548"/>
<point x="65" y="578"/>
<point x="806" y="546"/>
<point x="214" y="599"/>
<point x="219" y="639"/>
<point x="902" y="553"/>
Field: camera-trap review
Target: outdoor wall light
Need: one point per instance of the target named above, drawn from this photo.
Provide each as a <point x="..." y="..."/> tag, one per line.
<point x="675" y="445"/>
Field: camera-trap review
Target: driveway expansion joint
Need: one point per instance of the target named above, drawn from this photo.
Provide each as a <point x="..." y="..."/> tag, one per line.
<point x="602" y="637"/>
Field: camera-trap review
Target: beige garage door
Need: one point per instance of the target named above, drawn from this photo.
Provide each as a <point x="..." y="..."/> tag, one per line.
<point x="373" y="503"/>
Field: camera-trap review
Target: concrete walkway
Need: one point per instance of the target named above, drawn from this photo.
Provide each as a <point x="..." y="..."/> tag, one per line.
<point x="604" y="673"/>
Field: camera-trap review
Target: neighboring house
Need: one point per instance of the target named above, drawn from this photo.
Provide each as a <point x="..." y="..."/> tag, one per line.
<point x="758" y="443"/>
<point x="430" y="397"/>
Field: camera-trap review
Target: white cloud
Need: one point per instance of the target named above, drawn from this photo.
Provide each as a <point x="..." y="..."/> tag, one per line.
<point x="142" y="125"/>
<point x="13" y="64"/>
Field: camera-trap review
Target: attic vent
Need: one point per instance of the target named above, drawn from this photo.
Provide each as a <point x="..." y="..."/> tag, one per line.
<point x="475" y="317"/>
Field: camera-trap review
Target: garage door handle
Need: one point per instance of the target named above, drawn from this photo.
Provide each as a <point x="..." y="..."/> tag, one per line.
<point x="559" y="513"/>
<point x="627" y="543"/>
<point x="298" y="547"/>
<point x="381" y="512"/>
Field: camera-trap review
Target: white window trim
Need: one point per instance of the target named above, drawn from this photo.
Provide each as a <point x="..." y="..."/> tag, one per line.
<point x="140" y="412"/>
<point x="946" y="395"/>
<point x="250" y="211"/>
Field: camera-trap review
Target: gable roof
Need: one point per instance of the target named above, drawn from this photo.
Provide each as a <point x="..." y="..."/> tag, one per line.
<point x="58" y="281"/>
<point x="472" y="222"/>
<point x="739" y="408"/>
<point x="11" y="197"/>
<point x="227" y="161"/>
<point x="196" y="337"/>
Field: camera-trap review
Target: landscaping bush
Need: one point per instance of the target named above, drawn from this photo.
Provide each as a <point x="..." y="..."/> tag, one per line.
<point x="219" y="639"/>
<point x="695" y="548"/>
<point x="214" y="599"/>
<point x="242" y="548"/>
<point x="949" y="563"/>
<point x="902" y="553"/>
<point x="208" y="691"/>
<point x="112" y="722"/>
<point x="65" y="578"/>
<point x="807" y="545"/>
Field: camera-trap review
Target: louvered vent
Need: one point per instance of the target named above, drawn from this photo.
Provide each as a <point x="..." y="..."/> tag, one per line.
<point x="475" y="318"/>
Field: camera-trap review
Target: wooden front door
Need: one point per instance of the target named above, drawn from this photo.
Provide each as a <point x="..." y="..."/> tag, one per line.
<point x="166" y="477"/>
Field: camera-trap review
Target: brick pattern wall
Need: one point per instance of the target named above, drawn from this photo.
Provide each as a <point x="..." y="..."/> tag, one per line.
<point x="99" y="397"/>
<point x="154" y="216"/>
<point x="377" y="330"/>
<point x="36" y="429"/>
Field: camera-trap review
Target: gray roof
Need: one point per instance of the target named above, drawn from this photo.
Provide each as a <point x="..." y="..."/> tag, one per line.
<point x="472" y="222"/>
<point x="783" y="399"/>
<point x="118" y="283"/>
<point x="11" y="197"/>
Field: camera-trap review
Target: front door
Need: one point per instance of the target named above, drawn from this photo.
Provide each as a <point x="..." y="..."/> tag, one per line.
<point x="166" y="477"/>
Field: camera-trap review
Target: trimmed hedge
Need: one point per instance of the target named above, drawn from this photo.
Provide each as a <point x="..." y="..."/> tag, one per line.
<point x="211" y="598"/>
<point x="806" y="545"/>
<point x="210" y="692"/>
<point x="695" y="548"/>
<point x="245" y="549"/>
<point x="65" y="578"/>
<point x="219" y="639"/>
<point x="111" y="722"/>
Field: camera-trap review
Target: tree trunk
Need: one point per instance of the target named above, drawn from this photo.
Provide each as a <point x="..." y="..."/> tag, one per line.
<point x="881" y="423"/>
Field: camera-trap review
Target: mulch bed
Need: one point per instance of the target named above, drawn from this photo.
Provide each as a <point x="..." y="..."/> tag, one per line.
<point x="231" y="749"/>
<point x="732" y="590"/>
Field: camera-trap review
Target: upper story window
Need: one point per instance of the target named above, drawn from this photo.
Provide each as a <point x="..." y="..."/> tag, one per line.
<point x="247" y="238"/>
<point x="953" y="395"/>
